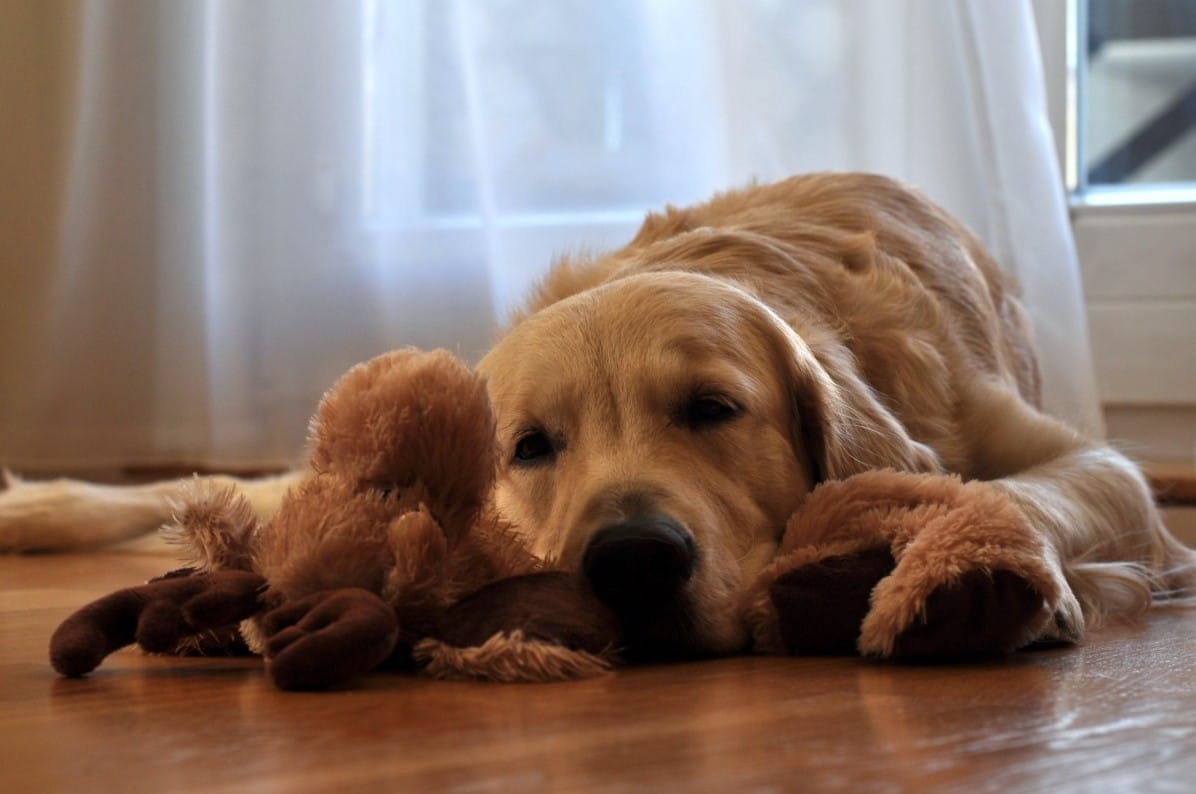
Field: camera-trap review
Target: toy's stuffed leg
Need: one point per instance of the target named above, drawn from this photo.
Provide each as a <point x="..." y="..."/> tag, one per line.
<point x="160" y="617"/>
<point x="906" y="566"/>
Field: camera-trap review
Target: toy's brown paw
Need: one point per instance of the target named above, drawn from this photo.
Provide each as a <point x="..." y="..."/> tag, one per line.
<point x="821" y="605"/>
<point x="538" y="627"/>
<point x="159" y="616"/>
<point x="980" y="614"/>
<point x="328" y="638"/>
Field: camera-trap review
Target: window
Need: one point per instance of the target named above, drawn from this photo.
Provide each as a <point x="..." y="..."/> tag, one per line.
<point x="1134" y="112"/>
<point x="1121" y="79"/>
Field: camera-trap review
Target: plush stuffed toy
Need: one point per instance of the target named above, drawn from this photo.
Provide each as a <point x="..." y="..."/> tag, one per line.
<point x="385" y="553"/>
<point x="388" y="554"/>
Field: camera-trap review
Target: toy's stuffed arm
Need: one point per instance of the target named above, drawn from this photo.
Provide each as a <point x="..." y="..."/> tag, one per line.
<point x="907" y="566"/>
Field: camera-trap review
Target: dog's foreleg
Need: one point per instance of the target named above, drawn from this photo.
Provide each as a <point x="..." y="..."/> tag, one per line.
<point x="71" y="515"/>
<point x="1095" y="510"/>
<point x="1096" y="507"/>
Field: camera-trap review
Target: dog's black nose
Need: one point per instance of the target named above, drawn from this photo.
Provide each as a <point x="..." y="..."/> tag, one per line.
<point x="642" y="562"/>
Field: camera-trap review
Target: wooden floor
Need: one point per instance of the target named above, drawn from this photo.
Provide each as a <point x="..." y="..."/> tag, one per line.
<point x="1118" y="714"/>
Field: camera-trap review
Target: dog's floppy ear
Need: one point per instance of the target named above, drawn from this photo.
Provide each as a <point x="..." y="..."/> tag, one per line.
<point x="839" y="421"/>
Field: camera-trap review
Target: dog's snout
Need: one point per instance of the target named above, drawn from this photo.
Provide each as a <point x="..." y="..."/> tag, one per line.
<point x="641" y="562"/>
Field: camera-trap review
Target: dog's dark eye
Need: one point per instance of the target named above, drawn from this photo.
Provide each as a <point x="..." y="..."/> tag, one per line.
<point x="533" y="447"/>
<point x="703" y="411"/>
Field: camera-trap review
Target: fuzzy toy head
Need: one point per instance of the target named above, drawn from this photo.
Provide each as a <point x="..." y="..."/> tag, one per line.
<point x="411" y="420"/>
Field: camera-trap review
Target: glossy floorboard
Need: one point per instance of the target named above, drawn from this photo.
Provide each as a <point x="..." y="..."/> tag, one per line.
<point x="1118" y="714"/>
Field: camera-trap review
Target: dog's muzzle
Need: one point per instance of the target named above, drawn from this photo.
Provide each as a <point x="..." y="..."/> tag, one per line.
<point x="642" y="563"/>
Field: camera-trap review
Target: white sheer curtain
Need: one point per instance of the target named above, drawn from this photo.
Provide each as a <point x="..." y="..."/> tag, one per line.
<point x="242" y="199"/>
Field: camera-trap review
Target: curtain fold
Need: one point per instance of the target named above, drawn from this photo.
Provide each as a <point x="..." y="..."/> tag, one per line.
<point x="226" y="204"/>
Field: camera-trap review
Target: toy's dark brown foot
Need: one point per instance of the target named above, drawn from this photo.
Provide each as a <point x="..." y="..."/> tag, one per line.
<point x="820" y="605"/>
<point x="159" y="616"/>
<point x="538" y="627"/>
<point x="328" y="638"/>
<point x="980" y="614"/>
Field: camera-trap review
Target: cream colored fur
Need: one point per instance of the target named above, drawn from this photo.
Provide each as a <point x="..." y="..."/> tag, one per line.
<point x="71" y="515"/>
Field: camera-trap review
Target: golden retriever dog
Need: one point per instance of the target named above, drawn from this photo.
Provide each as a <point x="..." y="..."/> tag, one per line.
<point x="664" y="408"/>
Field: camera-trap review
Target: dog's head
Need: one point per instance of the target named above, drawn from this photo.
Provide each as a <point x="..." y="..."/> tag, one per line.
<point x="657" y="432"/>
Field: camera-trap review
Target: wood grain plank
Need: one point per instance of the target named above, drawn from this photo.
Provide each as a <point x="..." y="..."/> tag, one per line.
<point x="1114" y="714"/>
